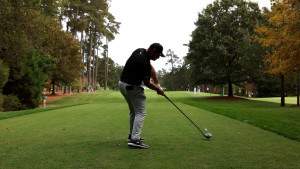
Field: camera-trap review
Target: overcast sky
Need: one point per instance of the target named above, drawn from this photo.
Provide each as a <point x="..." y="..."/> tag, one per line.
<point x="168" y="22"/>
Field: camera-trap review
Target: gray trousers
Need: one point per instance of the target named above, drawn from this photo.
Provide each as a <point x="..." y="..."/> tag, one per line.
<point x="136" y="100"/>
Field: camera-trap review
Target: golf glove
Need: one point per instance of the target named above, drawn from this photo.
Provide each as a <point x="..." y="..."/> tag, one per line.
<point x="157" y="84"/>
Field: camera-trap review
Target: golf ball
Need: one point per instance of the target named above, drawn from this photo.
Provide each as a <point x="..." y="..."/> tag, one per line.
<point x="209" y="134"/>
<point x="205" y="129"/>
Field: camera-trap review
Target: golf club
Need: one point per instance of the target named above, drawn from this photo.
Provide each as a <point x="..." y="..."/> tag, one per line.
<point x="207" y="135"/>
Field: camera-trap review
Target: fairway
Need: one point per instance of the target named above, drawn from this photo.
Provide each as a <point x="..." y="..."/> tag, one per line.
<point x="89" y="130"/>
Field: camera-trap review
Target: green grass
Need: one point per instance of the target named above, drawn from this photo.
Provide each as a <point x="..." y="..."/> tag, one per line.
<point x="6" y="115"/>
<point x="94" y="135"/>
<point x="288" y="100"/>
<point x="264" y="114"/>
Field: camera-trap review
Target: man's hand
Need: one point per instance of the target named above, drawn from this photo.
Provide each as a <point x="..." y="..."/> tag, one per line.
<point x="160" y="91"/>
<point x="153" y="86"/>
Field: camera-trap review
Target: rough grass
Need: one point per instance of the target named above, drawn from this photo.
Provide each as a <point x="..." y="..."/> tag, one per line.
<point x="94" y="135"/>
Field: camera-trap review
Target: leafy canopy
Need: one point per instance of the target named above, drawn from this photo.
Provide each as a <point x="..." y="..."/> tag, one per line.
<point x="221" y="49"/>
<point x="280" y="36"/>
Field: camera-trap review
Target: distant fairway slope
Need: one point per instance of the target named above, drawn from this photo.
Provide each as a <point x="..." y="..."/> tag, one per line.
<point x="261" y="112"/>
<point x="89" y="130"/>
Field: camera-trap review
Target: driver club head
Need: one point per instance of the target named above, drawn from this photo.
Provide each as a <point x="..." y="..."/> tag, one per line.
<point x="208" y="135"/>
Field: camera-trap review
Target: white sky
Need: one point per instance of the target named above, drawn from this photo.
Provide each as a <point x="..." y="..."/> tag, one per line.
<point x="168" y="22"/>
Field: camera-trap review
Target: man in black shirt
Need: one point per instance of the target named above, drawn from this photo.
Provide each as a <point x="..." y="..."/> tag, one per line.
<point x="138" y="70"/>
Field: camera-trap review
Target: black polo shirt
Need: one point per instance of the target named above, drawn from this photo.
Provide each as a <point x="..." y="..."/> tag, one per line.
<point x="137" y="68"/>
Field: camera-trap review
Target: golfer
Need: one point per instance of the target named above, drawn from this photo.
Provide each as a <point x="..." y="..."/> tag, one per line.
<point x="138" y="70"/>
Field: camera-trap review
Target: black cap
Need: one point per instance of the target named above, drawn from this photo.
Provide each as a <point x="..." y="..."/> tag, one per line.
<point x="157" y="48"/>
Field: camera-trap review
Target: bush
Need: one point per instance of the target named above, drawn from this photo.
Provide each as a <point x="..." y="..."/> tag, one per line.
<point x="1" y="101"/>
<point x="11" y="103"/>
<point x="30" y="86"/>
<point x="4" y="72"/>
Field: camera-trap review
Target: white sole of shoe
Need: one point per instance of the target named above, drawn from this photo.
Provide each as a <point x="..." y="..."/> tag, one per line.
<point x="138" y="146"/>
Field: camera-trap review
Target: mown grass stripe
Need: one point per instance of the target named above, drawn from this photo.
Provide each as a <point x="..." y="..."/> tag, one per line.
<point x="11" y="114"/>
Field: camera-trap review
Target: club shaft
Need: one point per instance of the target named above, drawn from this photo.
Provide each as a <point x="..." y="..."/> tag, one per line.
<point x="185" y="115"/>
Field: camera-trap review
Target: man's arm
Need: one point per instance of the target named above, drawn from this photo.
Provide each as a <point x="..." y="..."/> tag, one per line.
<point x="152" y="86"/>
<point x="153" y="75"/>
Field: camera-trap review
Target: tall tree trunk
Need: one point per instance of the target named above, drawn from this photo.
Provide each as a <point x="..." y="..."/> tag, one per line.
<point x="82" y="53"/>
<point x="93" y="70"/>
<point x="254" y="90"/>
<point x="282" y="92"/>
<point x="106" y="66"/>
<point x="75" y="26"/>
<point x="90" y="60"/>
<point x="106" y="73"/>
<point x="68" y="25"/>
<point x="298" y="90"/>
<point x="53" y="88"/>
<point x="65" y="89"/>
<point x="96" y="73"/>
<point x="94" y="63"/>
<point x="230" y="92"/>
<point x="172" y="71"/>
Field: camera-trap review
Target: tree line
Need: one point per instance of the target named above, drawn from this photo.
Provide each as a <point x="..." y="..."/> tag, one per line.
<point x="59" y="43"/>
<point x="50" y="41"/>
<point x="235" y="44"/>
